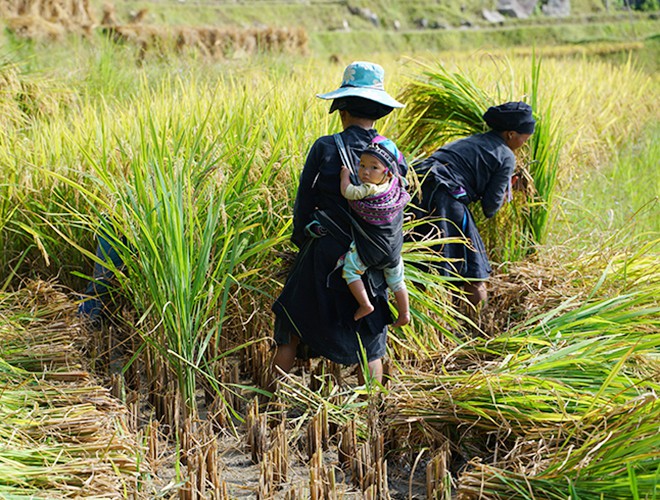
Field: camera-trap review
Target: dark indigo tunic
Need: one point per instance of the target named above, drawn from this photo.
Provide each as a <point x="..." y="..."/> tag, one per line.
<point x="315" y="303"/>
<point x="481" y="166"/>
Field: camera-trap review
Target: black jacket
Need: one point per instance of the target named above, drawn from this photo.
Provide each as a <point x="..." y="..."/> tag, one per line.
<point x="482" y="164"/>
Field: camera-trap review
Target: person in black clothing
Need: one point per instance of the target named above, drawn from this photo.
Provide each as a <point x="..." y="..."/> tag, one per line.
<point x="315" y="309"/>
<point x="476" y="168"/>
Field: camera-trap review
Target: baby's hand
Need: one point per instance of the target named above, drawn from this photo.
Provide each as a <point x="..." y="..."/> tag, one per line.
<point x="344" y="179"/>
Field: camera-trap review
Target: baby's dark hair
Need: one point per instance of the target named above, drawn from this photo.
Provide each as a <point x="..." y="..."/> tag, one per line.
<point x="386" y="151"/>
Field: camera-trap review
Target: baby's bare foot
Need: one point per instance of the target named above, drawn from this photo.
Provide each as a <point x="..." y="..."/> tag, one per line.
<point x="363" y="311"/>
<point x="402" y="320"/>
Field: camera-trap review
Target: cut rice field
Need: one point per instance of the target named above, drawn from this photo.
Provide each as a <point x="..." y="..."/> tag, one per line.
<point x="189" y="166"/>
<point x="62" y="434"/>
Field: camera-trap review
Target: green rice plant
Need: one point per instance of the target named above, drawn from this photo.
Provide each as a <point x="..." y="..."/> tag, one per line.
<point x="545" y="146"/>
<point x="186" y="243"/>
<point x="28" y="96"/>
<point x="618" y="458"/>
<point x="210" y="194"/>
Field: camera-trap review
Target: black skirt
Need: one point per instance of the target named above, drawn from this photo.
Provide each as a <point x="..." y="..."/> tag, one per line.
<point x="317" y="306"/>
<point x="453" y="219"/>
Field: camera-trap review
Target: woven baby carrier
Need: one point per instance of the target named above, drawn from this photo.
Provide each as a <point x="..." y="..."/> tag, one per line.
<point x="379" y="209"/>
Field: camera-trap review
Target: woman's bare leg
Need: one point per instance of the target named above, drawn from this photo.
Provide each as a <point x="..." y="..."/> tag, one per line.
<point x="285" y="356"/>
<point x="476" y="292"/>
<point x="375" y="370"/>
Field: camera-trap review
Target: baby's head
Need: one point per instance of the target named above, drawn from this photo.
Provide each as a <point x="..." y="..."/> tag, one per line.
<point x="379" y="161"/>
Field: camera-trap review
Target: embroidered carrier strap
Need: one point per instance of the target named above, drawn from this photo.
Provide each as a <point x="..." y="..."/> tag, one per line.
<point x="345" y="157"/>
<point x="383" y="208"/>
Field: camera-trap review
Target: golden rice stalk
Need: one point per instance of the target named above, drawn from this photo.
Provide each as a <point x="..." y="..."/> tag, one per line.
<point x="61" y="435"/>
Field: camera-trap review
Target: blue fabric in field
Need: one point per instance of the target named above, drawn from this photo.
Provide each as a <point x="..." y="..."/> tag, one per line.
<point x="97" y="292"/>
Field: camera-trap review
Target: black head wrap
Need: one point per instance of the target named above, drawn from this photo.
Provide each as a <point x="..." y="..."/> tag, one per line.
<point x="516" y="116"/>
<point x="361" y="107"/>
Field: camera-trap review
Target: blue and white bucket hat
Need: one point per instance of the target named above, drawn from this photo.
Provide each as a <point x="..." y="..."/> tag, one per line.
<point x="363" y="79"/>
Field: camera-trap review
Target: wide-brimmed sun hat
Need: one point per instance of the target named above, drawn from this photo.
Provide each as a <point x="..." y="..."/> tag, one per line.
<point x="363" y="79"/>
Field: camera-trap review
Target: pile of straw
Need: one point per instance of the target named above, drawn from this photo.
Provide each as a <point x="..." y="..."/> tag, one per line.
<point x="212" y="42"/>
<point x="47" y="18"/>
<point x="525" y="289"/>
<point x="223" y="42"/>
<point x="61" y="435"/>
<point x="52" y="19"/>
